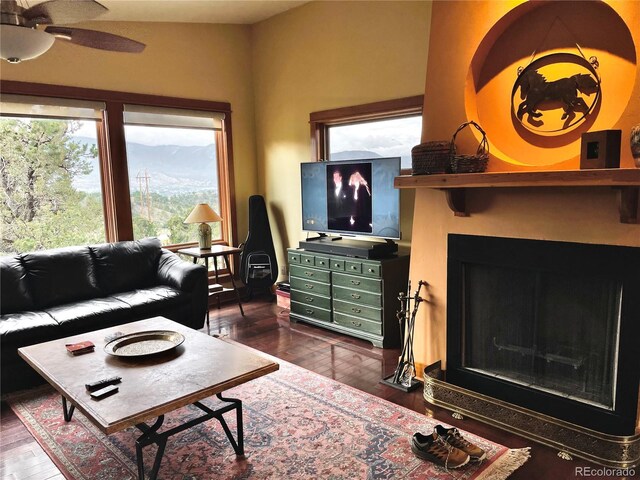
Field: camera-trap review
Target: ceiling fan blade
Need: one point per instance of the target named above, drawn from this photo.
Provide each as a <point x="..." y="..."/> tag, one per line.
<point x="63" y="11"/>
<point x="95" y="39"/>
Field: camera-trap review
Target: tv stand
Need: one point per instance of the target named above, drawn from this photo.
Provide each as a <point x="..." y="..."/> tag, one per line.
<point x="349" y="247"/>
<point x="349" y="295"/>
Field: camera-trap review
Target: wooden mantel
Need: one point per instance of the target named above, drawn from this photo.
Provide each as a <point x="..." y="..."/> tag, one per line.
<point x="627" y="180"/>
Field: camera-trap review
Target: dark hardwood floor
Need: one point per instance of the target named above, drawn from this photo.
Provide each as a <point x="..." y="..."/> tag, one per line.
<point x="347" y="360"/>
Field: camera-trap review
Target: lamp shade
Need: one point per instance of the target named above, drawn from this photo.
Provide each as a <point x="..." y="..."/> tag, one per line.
<point x="23" y="43"/>
<point x="203" y="213"/>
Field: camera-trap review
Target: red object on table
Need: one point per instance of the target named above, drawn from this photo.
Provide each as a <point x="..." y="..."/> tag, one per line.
<point x="80" y="347"/>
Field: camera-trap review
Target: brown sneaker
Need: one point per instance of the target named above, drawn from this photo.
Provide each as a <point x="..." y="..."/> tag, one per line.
<point x="453" y="437"/>
<point x="434" y="449"/>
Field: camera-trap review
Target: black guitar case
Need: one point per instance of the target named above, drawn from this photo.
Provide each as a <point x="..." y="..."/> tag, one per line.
<point x="258" y="264"/>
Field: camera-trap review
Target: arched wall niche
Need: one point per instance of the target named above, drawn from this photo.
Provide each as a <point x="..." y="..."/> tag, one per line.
<point x="533" y="30"/>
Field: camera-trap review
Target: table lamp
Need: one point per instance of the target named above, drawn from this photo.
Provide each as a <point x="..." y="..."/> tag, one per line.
<point x="203" y="213"/>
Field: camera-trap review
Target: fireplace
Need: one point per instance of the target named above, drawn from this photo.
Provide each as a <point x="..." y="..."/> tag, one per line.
<point x="549" y="326"/>
<point x="542" y="339"/>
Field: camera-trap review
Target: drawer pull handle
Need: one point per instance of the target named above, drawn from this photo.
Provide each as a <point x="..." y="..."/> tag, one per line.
<point x="355" y="295"/>
<point x="371" y="270"/>
<point x="309" y="274"/>
<point x="354" y="267"/>
<point x="308" y="299"/>
<point x="355" y="282"/>
<point x="309" y="311"/>
<point x="308" y="286"/>
<point x="320" y="263"/>
<point x="308" y="260"/>
<point x="355" y="310"/>
<point x="356" y="324"/>
<point x="337" y="265"/>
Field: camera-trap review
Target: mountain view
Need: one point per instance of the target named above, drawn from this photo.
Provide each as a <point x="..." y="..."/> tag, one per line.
<point x="172" y="169"/>
<point x="167" y="181"/>
<point x="175" y="169"/>
<point x="64" y="204"/>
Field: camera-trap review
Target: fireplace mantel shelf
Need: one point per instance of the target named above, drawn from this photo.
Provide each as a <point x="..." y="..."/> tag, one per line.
<point x="455" y="185"/>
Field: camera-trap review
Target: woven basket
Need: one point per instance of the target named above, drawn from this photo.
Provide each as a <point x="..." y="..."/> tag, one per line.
<point x="430" y="157"/>
<point x="469" y="163"/>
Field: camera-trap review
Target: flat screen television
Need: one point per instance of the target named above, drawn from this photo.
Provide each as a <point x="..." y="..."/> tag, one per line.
<point x="352" y="197"/>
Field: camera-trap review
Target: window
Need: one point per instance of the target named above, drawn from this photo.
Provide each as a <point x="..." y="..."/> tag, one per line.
<point x="382" y="129"/>
<point x="172" y="160"/>
<point x="375" y="138"/>
<point x="49" y="174"/>
<point x="81" y="166"/>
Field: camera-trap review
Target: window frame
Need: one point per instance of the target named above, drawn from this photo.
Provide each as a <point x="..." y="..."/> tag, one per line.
<point x="113" y="157"/>
<point x="320" y="121"/>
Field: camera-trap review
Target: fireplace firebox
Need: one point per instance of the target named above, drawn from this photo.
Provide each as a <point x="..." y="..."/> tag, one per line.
<point x="548" y="326"/>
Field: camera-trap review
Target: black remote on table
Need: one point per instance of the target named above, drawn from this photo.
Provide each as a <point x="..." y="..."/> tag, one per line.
<point x="102" y="383"/>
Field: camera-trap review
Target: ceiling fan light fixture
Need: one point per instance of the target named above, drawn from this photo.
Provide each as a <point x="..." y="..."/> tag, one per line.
<point x="23" y="43"/>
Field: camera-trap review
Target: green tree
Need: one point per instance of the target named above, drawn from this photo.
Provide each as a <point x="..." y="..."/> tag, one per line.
<point x="144" y="228"/>
<point x="40" y="208"/>
<point x="181" y="232"/>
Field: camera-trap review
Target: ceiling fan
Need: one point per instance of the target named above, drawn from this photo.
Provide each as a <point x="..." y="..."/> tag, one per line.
<point x="21" y="40"/>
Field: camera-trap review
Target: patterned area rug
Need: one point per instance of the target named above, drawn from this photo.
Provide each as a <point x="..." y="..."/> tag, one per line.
<point x="298" y="425"/>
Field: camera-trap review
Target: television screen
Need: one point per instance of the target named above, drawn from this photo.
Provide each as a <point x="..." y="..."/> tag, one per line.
<point x="351" y="197"/>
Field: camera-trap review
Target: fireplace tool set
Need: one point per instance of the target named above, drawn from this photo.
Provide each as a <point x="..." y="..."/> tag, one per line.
<point x="404" y="375"/>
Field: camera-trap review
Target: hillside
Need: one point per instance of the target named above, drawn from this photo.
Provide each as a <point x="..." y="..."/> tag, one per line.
<point x="172" y="169"/>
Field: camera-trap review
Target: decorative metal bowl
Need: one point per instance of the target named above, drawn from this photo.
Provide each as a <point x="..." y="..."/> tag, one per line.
<point x="144" y="343"/>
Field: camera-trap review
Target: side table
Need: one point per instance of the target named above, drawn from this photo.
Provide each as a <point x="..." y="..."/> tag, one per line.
<point x="214" y="252"/>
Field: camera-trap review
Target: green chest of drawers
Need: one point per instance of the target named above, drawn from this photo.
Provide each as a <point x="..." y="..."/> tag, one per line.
<point x="353" y="296"/>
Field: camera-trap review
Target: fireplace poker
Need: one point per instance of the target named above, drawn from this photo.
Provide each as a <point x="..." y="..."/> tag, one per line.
<point x="407" y="358"/>
<point x="409" y="367"/>
<point x="402" y="316"/>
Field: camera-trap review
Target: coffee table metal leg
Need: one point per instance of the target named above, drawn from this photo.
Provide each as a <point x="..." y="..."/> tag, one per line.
<point x="237" y="404"/>
<point x="148" y="437"/>
<point x="150" y="433"/>
<point x="67" y="413"/>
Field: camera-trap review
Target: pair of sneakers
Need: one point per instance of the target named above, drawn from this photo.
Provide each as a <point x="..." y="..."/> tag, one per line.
<point x="446" y="447"/>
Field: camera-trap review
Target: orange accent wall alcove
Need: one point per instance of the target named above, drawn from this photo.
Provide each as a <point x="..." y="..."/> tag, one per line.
<point x="529" y="32"/>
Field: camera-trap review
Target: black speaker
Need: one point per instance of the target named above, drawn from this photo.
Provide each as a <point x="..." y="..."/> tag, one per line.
<point x="258" y="264"/>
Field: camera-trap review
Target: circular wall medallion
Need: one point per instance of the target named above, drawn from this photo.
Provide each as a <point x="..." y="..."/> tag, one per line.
<point x="555" y="92"/>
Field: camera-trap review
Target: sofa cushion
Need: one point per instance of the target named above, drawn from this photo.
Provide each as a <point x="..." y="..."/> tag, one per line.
<point x="15" y="292"/>
<point x="61" y="275"/>
<point x="26" y="328"/>
<point x="88" y="315"/>
<point x="152" y="301"/>
<point x="125" y="266"/>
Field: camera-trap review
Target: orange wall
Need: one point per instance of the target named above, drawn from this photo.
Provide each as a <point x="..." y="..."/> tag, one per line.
<point x="588" y="215"/>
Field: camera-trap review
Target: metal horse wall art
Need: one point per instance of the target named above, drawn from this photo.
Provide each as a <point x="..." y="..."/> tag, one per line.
<point x="535" y="89"/>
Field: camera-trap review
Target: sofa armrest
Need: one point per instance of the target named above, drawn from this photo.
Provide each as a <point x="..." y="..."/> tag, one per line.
<point x="189" y="278"/>
<point x="179" y="274"/>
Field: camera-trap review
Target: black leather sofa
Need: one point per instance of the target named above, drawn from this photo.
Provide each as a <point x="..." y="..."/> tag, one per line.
<point x="52" y="294"/>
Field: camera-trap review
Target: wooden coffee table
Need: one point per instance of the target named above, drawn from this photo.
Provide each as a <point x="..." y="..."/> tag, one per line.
<point x="152" y="385"/>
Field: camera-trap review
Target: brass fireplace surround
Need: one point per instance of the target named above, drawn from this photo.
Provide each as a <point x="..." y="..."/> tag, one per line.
<point x="603" y="449"/>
